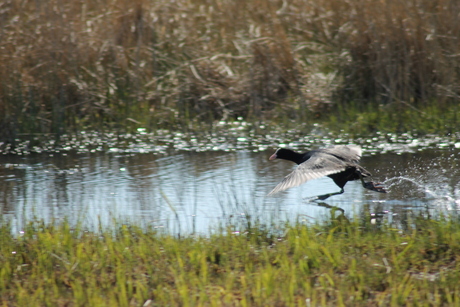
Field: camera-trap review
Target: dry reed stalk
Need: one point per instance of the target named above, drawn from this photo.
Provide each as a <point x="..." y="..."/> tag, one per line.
<point x="91" y="64"/>
<point x="397" y="51"/>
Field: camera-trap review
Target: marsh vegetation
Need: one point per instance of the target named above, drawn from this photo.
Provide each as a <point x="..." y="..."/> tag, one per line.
<point x="340" y="263"/>
<point x="98" y="100"/>
<point x="389" y="66"/>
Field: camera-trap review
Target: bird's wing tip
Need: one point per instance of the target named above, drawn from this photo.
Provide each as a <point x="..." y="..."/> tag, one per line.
<point x="279" y="188"/>
<point x="357" y="149"/>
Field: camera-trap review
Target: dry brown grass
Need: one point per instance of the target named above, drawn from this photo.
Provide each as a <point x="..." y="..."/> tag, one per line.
<point x="400" y="51"/>
<point x="68" y="65"/>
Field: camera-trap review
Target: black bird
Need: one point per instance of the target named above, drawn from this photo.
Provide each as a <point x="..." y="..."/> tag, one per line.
<point x="340" y="163"/>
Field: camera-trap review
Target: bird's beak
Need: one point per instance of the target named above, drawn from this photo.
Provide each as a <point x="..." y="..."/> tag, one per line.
<point x="272" y="157"/>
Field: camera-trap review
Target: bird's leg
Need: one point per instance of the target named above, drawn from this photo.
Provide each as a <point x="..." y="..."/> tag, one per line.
<point x="325" y="196"/>
<point x="377" y="187"/>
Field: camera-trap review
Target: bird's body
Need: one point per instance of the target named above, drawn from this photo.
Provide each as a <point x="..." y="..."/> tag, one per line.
<point x="340" y="163"/>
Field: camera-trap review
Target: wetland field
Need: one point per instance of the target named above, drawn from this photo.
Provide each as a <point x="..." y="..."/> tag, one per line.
<point x="134" y="146"/>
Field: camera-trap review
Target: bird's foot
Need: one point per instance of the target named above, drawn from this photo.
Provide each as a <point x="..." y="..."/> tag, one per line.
<point x="377" y="187"/>
<point x="319" y="197"/>
<point x="310" y="199"/>
<point x="324" y="197"/>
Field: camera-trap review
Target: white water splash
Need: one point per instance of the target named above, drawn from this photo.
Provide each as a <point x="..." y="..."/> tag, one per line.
<point x="436" y="193"/>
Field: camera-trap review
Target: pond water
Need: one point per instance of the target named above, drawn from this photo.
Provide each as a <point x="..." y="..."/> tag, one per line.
<point x="198" y="191"/>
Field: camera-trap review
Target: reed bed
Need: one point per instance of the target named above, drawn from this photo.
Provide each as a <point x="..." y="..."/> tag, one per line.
<point x="337" y="263"/>
<point x="119" y="64"/>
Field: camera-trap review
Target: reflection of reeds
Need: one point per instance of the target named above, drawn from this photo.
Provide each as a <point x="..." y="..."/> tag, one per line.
<point x="119" y="63"/>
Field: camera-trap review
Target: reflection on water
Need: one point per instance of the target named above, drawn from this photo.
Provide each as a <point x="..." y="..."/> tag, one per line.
<point x="198" y="191"/>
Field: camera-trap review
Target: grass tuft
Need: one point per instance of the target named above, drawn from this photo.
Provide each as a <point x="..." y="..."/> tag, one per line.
<point x="336" y="263"/>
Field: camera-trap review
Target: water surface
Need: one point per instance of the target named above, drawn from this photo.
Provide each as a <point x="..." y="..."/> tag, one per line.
<point x="197" y="191"/>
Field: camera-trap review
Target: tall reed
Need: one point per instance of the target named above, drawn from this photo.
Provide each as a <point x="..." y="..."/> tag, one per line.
<point x="119" y="64"/>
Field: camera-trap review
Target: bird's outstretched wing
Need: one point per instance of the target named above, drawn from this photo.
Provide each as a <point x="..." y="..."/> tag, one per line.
<point x="350" y="153"/>
<point x="317" y="166"/>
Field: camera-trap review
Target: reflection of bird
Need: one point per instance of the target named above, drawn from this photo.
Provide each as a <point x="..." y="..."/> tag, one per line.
<point x="340" y="163"/>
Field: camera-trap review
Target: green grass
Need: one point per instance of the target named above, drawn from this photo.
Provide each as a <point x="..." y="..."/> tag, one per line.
<point x="337" y="263"/>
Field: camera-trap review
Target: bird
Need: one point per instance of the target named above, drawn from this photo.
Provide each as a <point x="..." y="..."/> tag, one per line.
<point x="339" y="162"/>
